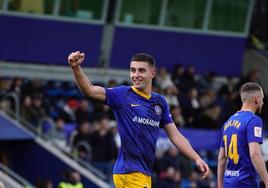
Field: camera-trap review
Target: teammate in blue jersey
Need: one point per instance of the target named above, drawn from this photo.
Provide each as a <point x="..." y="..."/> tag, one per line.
<point x="240" y="161"/>
<point x="139" y="113"/>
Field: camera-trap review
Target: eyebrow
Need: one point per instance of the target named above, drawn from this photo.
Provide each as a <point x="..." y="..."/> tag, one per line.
<point x="139" y="68"/>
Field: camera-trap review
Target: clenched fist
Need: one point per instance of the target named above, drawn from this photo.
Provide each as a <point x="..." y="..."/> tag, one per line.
<point x="76" y="58"/>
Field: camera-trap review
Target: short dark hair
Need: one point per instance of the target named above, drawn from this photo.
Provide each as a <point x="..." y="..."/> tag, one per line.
<point x="249" y="89"/>
<point x="144" y="57"/>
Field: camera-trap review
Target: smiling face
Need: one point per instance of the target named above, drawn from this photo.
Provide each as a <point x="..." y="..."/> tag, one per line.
<point x="141" y="74"/>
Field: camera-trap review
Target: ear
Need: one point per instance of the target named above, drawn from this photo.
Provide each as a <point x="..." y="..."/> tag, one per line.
<point x="256" y="100"/>
<point x="153" y="72"/>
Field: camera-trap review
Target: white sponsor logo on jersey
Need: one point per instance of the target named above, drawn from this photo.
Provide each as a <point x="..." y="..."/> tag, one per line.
<point x="146" y="121"/>
<point x="232" y="172"/>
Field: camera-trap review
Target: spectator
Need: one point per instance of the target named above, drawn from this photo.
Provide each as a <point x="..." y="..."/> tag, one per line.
<point x="177" y="75"/>
<point x="80" y="142"/>
<point x="27" y="111"/>
<point x="32" y="88"/>
<point x="75" y="180"/>
<point x="171" y="96"/>
<point x="68" y="111"/>
<point x="16" y="86"/>
<point x="163" y="79"/>
<point x="177" y="116"/>
<point x="39" y="112"/>
<point x="114" y="130"/>
<point x="57" y="133"/>
<point x="188" y="79"/>
<point x="103" y="154"/>
<point x="101" y="110"/>
<point x="70" y="179"/>
<point x="83" y="113"/>
<point x="190" y="105"/>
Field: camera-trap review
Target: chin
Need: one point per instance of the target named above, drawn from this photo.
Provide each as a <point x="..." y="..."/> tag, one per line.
<point x="138" y="86"/>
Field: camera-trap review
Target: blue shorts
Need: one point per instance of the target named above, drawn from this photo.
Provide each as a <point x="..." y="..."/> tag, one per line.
<point x="246" y="183"/>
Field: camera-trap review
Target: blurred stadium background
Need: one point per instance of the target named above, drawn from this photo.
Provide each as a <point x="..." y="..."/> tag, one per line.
<point x="50" y="133"/>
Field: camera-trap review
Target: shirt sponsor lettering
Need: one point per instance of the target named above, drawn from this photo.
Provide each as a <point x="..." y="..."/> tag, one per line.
<point x="146" y="121"/>
<point x="232" y="173"/>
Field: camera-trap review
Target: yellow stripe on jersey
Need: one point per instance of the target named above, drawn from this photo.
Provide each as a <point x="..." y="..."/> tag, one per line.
<point x="141" y="93"/>
<point x="132" y="180"/>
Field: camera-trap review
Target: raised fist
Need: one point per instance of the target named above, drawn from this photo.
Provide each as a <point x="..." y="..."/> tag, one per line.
<point x="76" y="58"/>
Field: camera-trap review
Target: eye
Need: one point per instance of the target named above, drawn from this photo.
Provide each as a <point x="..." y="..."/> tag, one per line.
<point x="142" y="70"/>
<point x="132" y="70"/>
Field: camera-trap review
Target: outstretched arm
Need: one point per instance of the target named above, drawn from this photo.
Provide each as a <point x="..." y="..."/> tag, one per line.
<point x="221" y="167"/>
<point x="75" y="59"/>
<point x="184" y="146"/>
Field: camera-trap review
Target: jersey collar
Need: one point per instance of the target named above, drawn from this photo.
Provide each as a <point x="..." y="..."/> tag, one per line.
<point x="140" y="93"/>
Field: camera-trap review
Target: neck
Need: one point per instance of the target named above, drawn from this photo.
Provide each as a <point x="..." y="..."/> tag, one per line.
<point x="146" y="92"/>
<point x="248" y="107"/>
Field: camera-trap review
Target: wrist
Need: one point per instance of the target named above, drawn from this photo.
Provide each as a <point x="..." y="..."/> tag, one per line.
<point x="197" y="158"/>
<point x="76" y="68"/>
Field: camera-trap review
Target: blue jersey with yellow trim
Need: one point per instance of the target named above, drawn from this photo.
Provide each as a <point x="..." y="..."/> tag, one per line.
<point x="238" y="131"/>
<point x="139" y="118"/>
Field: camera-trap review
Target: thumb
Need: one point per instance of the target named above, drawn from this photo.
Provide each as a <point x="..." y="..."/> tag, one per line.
<point x="82" y="55"/>
<point x="202" y="168"/>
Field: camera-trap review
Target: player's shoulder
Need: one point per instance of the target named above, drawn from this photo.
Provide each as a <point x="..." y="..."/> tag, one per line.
<point x="121" y="91"/>
<point x="121" y="88"/>
<point x="251" y="116"/>
<point x="255" y="118"/>
<point x="158" y="98"/>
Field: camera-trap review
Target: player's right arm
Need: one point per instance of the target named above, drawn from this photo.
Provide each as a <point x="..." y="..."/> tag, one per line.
<point x="75" y="59"/>
<point x="258" y="162"/>
<point x="221" y="167"/>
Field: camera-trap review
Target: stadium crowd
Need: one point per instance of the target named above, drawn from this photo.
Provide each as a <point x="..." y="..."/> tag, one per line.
<point x="83" y="127"/>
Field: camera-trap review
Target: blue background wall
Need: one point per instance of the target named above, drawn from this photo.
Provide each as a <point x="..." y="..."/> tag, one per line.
<point x="47" y="41"/>
<point x="206" y="52"/>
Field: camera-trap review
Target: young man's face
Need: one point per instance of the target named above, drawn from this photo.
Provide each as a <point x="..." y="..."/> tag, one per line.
<point x="141" y="74"/>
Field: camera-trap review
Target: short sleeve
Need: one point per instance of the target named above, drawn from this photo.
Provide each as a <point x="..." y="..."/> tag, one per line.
<point x="166" y="116"/>
<point x="254" y="130"/>
<point x="115" y="95"/>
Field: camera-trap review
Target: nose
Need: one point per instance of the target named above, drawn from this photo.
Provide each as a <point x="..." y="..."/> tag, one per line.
<point x="136" y="74"/>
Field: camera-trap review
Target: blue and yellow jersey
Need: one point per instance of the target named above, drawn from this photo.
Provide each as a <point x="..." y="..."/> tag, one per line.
<point x="238" y="131"/>
<point x="139" y="119"/>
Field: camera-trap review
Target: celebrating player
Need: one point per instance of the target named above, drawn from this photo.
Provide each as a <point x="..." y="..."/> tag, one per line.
<point x="139" y="113"/>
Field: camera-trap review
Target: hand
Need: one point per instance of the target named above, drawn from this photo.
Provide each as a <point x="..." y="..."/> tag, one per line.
<point x="203" y="167"/>
<point x="76" y="58"/>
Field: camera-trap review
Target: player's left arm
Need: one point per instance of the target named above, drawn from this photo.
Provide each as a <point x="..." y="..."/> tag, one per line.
<point x="221" y="167"/>
<point x="184" y="146"/>
<point x="258" y="161"/>
<point x="254" y="137"/>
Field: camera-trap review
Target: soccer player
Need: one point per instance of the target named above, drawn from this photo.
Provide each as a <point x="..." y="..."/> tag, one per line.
<point x="240" y="159"/>
<point x="139" y="113"/>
